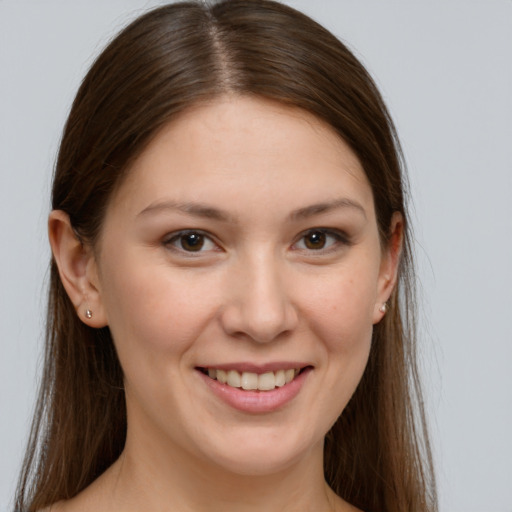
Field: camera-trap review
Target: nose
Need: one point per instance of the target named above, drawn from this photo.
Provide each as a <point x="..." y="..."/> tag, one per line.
<point x="258" y="304"/>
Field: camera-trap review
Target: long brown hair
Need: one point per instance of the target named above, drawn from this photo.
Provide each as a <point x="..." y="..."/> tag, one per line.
<point x="377" y="455"/>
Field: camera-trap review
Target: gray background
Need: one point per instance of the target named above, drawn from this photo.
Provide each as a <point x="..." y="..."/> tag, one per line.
<point x="445" y="69"/>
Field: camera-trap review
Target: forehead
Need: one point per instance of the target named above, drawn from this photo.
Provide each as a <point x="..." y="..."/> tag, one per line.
<point x="240" y="150"/>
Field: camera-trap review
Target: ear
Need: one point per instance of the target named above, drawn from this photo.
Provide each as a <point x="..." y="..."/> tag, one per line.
<point x="77" y="269"/>
<point x="388" y="273"/>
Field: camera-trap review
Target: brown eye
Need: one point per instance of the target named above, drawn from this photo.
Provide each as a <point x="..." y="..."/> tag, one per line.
<point x="191" y="242"/>
<point x="322" y="241"/>
<point x="315" y="240"/>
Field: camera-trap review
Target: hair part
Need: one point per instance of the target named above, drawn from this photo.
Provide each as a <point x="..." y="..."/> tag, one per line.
<point x="377" y="455"/>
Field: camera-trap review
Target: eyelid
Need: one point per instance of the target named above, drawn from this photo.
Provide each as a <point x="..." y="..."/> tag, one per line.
<point x="175" y="236"/>
<point x="341" y="240"/>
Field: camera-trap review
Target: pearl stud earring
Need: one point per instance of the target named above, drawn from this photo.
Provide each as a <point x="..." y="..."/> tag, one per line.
<point x="88" y="313"/>
<point x="384" y="308"/>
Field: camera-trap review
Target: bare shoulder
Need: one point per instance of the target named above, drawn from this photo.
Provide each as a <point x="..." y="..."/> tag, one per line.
<point x="349" y="508"/>
<point x="346" y="507"/>
<point x="93" y="498"/>
<point x="340" y="505"/>
<point x="60" y="506"/>
<point x="85" y="501"/>
<point x="76" y="504"/>
<point x="55" y="507"/>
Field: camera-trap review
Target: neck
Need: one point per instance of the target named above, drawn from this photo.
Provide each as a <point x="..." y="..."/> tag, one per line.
<point x="152" y="478"/>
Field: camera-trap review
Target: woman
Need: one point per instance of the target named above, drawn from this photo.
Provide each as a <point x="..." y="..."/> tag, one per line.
<point x="230" y="322"/>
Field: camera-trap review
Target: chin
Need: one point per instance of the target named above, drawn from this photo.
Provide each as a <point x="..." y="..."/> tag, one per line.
<point x="253" y="454"/>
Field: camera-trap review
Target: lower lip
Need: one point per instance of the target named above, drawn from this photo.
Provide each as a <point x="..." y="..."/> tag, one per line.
<point x="257" y="402"/>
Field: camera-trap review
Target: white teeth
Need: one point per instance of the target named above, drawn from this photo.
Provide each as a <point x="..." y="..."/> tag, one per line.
<point x="289" y="375"/>
<point x="252" y="381"/>
<point x="234" y="379"/>
<point x="266" y="381"/>
<point x="249" y="381"/>
<point x="280" y="378"/>
<point x="222" y="376"/>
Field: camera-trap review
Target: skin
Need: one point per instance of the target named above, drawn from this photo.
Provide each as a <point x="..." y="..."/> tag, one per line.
<point x="258" y="291"/>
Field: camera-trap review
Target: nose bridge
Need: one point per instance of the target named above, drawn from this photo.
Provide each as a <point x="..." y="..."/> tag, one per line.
<point x="260" y="306"/>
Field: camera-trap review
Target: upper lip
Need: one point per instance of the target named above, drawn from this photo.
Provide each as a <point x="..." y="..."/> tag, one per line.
<point x="257" y="368"/>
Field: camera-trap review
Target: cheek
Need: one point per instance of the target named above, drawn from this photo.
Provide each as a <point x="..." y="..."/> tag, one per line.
<point x="341" y="318"/>
<point x="155" y="317"/>
<point x="152" y="310"/>
<point x="341" y="308"/>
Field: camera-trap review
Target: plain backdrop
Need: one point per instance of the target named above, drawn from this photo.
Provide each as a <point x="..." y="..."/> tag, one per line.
<point x="445" y="70"/>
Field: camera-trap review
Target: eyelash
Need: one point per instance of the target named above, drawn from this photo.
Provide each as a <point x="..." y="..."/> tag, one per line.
<point x="338" y="239"/>
<point x="174" y="238"/>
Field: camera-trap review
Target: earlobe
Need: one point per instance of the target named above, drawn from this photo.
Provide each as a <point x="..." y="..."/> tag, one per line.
<point x="77" y="270"/>
<point x="388" y="274"/>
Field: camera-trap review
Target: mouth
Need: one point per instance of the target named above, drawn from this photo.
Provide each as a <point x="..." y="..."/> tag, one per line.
<point x="252" y="381"/>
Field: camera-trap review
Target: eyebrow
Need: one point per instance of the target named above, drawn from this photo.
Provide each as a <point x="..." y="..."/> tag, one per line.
<point x="316" y="209"/>
<point x="195" y="209"/>
<point x="207" y="211"/>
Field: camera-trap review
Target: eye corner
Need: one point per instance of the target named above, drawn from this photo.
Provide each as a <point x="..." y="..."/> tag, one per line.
<point x="324" y="241"/>
<point x="199" y="243"/>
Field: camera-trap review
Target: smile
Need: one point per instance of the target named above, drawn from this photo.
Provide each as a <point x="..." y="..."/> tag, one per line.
<point x="250" y="381"/>
<point x="255" y="389"/>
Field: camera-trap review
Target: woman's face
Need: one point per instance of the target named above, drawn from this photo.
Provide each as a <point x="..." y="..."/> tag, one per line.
<point x="243" y="244"/>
